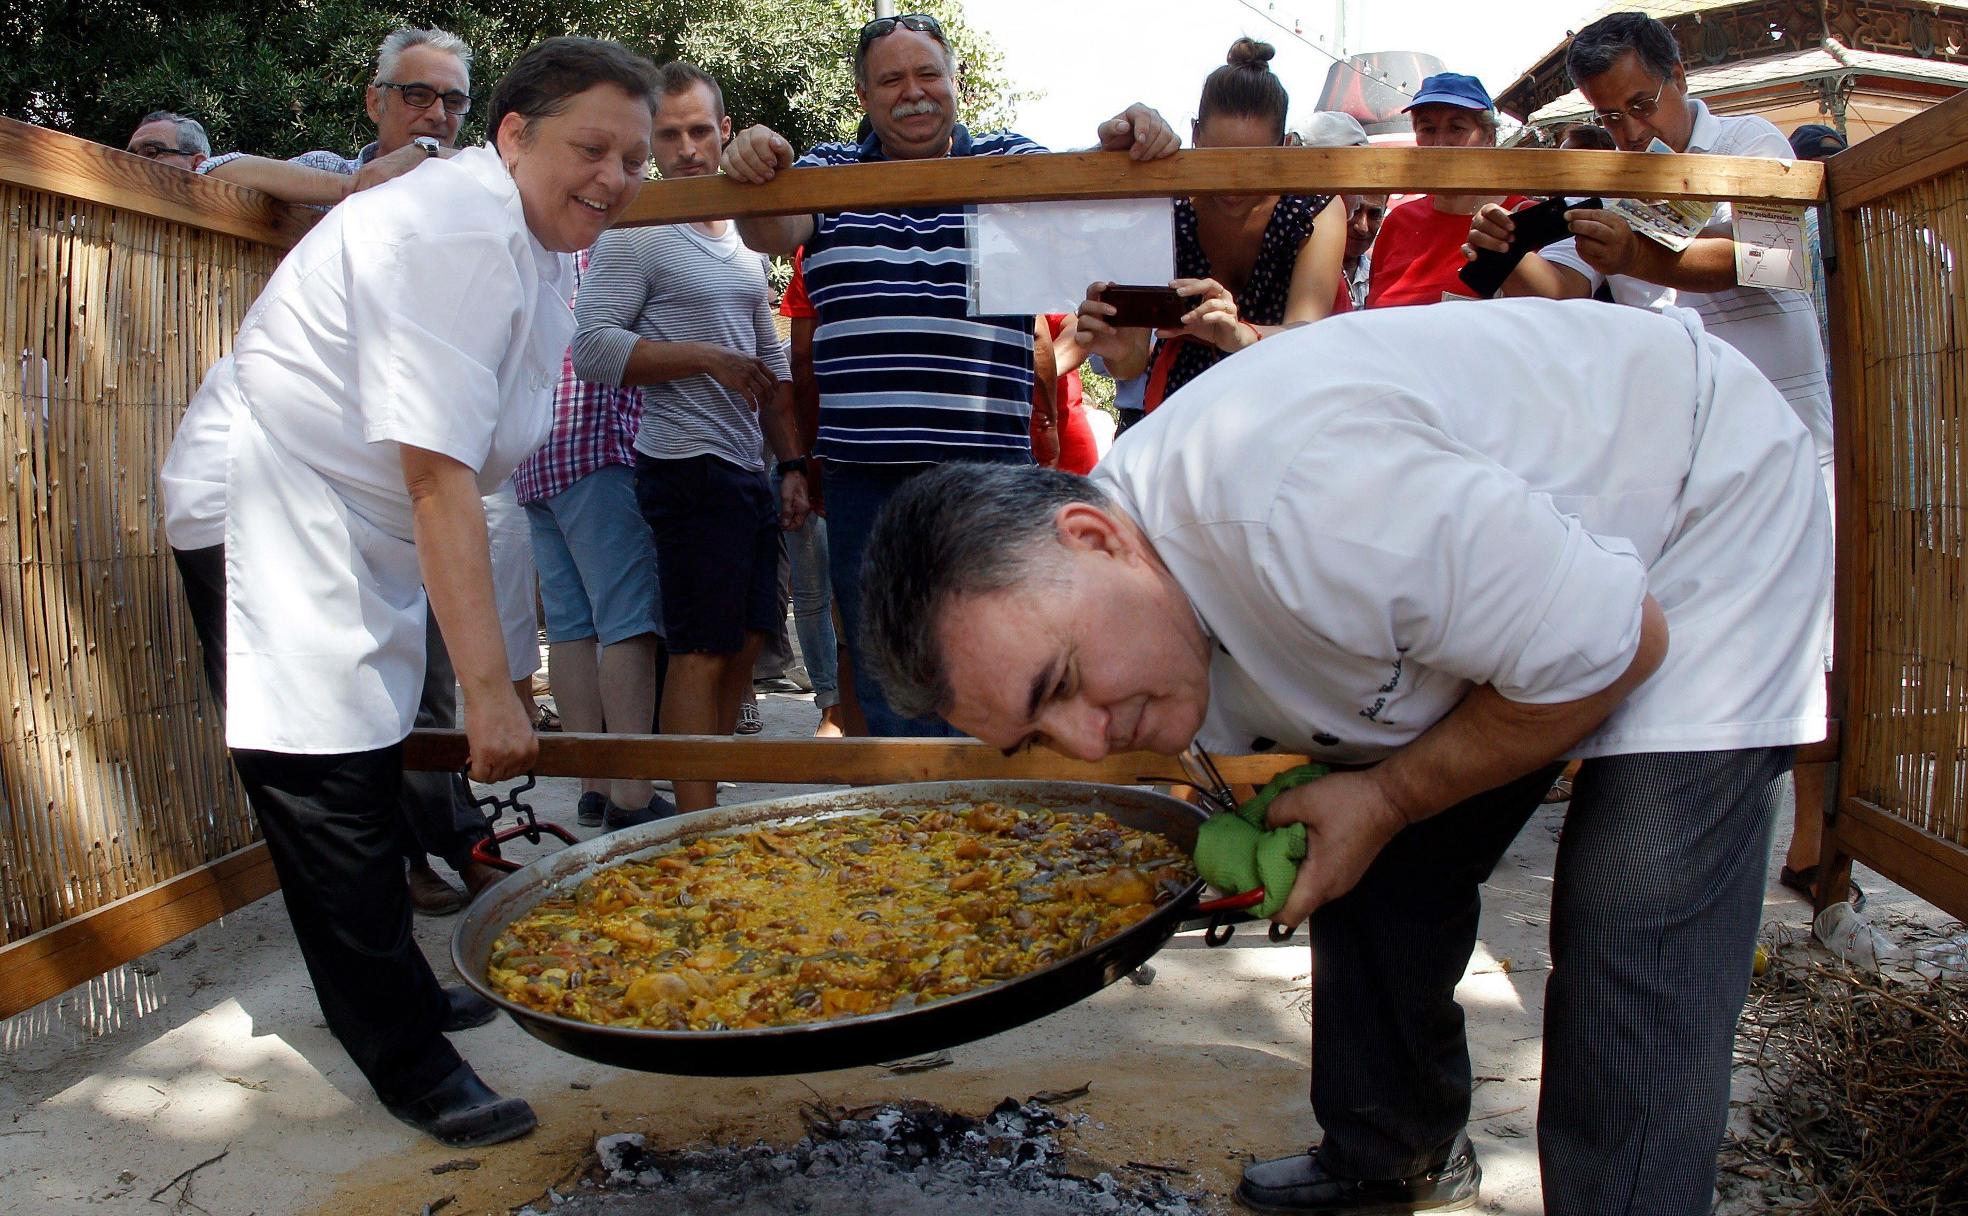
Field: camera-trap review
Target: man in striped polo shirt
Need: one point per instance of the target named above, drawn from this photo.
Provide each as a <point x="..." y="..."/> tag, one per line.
<point x="907" y="378"/>
<point x="683" y="310"/>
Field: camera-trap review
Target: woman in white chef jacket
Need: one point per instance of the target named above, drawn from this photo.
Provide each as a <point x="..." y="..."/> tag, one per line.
<point x="398" y="365"/>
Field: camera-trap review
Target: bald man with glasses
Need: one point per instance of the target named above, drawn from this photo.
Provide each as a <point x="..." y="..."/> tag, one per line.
<point x="170" y="139"/>
<point x="418" y="100"/>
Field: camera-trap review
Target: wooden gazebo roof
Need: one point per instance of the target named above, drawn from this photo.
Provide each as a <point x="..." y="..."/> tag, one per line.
<point x="1921" y="41"/>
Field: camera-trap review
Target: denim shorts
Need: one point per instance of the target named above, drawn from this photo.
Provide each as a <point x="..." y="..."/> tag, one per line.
<point x="596" y="559"/>
<point x="717" y="550"/>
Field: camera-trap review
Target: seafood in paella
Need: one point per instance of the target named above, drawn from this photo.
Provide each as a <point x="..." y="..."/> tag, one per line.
<point x="784" y="923"/>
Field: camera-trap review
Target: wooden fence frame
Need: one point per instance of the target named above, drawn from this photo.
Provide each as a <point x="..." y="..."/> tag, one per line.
<point x="1936" y="869"/>
<point x="55" y="959"/>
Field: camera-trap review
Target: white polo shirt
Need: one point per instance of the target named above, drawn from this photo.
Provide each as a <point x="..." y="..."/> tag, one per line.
<point x="1777" y="330"/>
<point x="1372" y="514"/>
<point x="420" y="312"/>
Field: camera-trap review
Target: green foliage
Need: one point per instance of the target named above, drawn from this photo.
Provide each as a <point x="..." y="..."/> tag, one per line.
<point x="282" y="79"/>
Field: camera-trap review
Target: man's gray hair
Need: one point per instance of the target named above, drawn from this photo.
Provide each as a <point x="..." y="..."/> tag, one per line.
<point x="403" y="39"/>
<point x="957" y="530"/>
<point x="1598" y="46"/>
<point x="191" y="132"/>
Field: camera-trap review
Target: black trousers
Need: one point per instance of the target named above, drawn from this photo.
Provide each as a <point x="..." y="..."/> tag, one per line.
<point x="332" y="826"/>
<point x="1655" y="904"/>
<point x="436" y="806"/>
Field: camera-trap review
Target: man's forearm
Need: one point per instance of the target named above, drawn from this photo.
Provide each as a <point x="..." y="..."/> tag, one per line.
<point x="1707" y="265"/>
<point x="287" y="182"/>
<point x="775" y="234"/>
<point x="781" y="432"/>
<point x="1488" y="740"/>
<point x="1535" y="276"/>
<point x="455" y="556"/>
<point x="653" y="362"/>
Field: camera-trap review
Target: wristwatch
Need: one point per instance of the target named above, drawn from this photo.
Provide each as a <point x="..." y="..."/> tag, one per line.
<point x="428" y="143"/>
<point x="796" y="465"/>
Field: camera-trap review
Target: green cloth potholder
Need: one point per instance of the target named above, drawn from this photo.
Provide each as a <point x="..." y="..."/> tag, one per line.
<point x="1236" y="853"/>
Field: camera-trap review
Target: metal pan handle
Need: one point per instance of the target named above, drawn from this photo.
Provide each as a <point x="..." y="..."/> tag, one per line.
<point x="1225" y="914"/>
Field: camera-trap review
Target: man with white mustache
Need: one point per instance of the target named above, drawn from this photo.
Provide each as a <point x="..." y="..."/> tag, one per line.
<point x="907" y="379"/>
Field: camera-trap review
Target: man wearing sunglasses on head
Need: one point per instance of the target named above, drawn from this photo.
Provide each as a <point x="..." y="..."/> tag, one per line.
<point x="907" y="379"/>
<point x="418" y="100"/>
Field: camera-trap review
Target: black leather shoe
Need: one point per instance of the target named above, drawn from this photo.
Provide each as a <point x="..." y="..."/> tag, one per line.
<point x="1301" y="1184"/>
<point x="462" y="1113"/>
<point x="467" y="1009"/>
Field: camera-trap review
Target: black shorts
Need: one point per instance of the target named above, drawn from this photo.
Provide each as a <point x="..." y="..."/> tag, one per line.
<point x="717" y="550"/>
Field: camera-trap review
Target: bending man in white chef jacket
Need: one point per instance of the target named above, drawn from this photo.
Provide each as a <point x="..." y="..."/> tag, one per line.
<point x="1451" y="560"/>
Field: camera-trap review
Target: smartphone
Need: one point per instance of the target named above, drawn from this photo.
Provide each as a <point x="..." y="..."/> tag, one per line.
<point x="1145" y="307"/>
<point x="1535" y="226"/>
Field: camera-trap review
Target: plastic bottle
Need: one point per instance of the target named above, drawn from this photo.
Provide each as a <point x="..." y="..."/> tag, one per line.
<point x="1850" y="936"/>
<point x="1945" y="959"/>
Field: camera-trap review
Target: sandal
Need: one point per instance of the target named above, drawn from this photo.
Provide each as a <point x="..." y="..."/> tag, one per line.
<point x="1805" y="883"/>
<point x="749" y="722"/>
<point x="546" y="718"/>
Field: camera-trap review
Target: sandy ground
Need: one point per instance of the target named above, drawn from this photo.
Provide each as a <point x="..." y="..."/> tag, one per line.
<point x="214" y="1047"/>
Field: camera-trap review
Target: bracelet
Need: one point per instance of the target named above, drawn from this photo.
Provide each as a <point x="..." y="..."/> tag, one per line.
<point x="1255" y="336"/>
<point x="796" y="465"/>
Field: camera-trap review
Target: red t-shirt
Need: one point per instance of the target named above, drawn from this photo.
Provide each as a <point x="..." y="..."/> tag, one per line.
<point x="1418" y="254"/>
<point x="794" y="303"/>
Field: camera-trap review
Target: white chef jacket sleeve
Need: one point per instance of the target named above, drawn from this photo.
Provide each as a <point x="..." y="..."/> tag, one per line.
<point x="1389" y="537"/>
<point x="433" y="318"/>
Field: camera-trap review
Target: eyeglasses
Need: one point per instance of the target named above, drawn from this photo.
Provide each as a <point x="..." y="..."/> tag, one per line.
<point x="150" y="149"/>
<point x="421" y="96"/>
<point x="882" y="27"/>
<point x="1641" y="110"/>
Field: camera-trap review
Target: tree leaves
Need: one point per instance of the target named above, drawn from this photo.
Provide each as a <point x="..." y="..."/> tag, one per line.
<point x="280" y="80"/>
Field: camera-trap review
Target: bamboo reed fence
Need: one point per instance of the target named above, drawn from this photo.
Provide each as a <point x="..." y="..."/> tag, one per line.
<point x="1900" y="214"/>
<point x="112" y="772"/>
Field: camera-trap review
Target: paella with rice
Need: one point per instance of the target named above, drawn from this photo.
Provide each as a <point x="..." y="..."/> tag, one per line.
<point x="796" y="922"/>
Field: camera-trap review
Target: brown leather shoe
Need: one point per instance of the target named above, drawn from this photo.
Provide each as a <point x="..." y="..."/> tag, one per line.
<point x="478" y="876"/>
<point x="430" y="895"/>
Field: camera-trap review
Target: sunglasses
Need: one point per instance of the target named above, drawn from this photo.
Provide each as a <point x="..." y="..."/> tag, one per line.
<point x="422" y="97"/>
<point x="882" y="27"/>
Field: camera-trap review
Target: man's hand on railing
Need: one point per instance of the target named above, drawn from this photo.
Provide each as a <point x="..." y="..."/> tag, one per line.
<point x="1140" y="132"/>
<point x="756" y="155"/>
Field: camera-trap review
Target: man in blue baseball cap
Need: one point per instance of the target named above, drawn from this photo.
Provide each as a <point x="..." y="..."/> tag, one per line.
<point x="1418" y="255"/>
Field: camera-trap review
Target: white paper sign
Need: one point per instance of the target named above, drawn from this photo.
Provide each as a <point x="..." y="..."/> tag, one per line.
<point x="1770" y="248"/>
<point x="1040" y="257"/>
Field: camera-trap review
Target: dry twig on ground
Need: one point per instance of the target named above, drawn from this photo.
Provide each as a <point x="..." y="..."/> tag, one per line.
<point x="1864" y="1083"/>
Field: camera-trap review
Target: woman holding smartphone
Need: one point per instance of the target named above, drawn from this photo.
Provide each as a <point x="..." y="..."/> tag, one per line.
<point x="1248" y="266"/>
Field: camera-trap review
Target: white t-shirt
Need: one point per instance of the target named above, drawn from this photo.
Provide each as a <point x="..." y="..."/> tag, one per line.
<point x="420" y="312"/>
<point x="1372" y="514"/>
<point x="1777" y="330"/>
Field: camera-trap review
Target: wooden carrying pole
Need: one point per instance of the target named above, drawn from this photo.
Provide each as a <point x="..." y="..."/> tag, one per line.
<point x="1097" y="175"/>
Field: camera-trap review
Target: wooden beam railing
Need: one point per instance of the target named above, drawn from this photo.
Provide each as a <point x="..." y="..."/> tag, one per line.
<point x="40" y="159"/>
<point x="1097" y="175"/>
<point x="1934" y="144"/>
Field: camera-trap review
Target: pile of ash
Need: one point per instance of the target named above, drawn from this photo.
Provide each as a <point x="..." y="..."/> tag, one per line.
<point x="903" y="1158"/>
